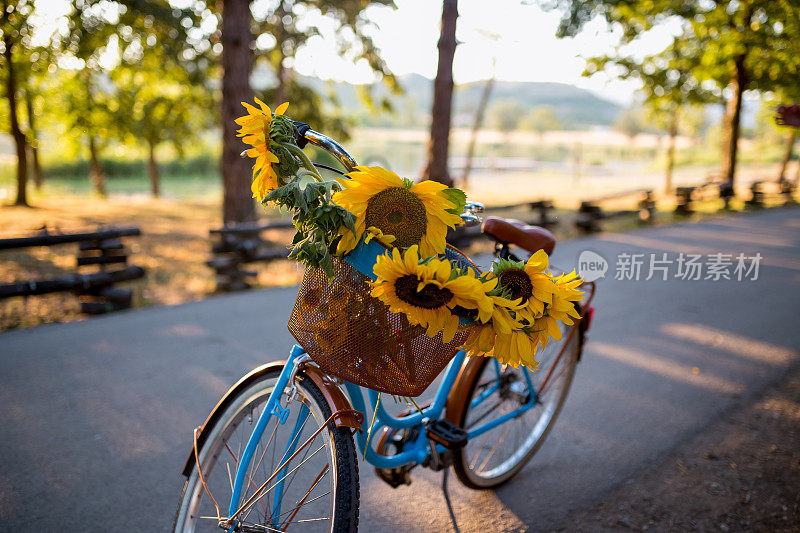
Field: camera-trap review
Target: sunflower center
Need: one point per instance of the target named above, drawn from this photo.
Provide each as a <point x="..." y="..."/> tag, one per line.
<point x="399" y="212"/>
<point x="518" y="283"/>
<point x="430" y="297"/>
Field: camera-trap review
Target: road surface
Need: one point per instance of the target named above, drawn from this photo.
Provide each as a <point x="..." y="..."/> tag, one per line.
<point x="97" y="416"/>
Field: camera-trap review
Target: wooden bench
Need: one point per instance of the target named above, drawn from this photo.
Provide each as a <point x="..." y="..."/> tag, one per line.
<point x="714" y="187"/>
<point x="97" y="291"/>
<point x="591" y="214"/>
<point x="762" y="189"/>
<point x="234" y="246"/>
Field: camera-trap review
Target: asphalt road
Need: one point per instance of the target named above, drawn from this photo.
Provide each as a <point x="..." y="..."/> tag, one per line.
<point x="96" y="416"/>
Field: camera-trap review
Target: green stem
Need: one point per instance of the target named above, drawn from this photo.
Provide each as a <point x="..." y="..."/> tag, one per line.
<point x="301" y="155"/>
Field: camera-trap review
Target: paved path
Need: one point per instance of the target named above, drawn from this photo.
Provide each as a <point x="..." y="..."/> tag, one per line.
<point x="96" y="416"/>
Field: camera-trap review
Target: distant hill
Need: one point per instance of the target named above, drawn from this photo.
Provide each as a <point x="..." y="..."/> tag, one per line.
<point x="575" y="107"/>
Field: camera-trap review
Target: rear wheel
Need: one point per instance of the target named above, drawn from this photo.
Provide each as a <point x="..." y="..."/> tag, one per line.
<point x="316" y="491"/>
<point x="492" y="458"/>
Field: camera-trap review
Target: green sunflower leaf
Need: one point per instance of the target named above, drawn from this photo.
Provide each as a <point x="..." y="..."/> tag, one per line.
<point x="458" y="198"/>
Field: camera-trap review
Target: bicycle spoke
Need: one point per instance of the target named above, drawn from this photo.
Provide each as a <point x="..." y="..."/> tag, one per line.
<point x="249" y="479"/>
<point x="261" y="492"/>
<point x="308" y="492"/>
<point x="494" y="448"/>
<point x="306" y="503"/>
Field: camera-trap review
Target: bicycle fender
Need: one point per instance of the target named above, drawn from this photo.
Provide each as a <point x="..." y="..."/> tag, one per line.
<point x="223" y="403"/>
<point x="336" y="399"/>
<point x="333" y="395"/>
<point x="459" y="394"/>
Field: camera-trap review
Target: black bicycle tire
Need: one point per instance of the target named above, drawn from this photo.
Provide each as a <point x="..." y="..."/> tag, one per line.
<point x="347" y="485"/>
<point x="459" y="457"/>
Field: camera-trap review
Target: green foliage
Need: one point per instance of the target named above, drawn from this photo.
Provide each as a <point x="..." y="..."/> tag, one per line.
<point x="291" y="23"/>
<point x="306" y="105"/>
<point x="204" y="165"/>
<point x="713" y="35"/>
<point x="744" y="44"/>
<point x="505" y="115"/>
<point x="459" y="199"/>
<point x="316" y="218"/>
<point x="541" y="119"/>
<point x="631" y="122"/>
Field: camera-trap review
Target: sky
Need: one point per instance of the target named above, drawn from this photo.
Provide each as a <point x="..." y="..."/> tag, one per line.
<point x="525" y="48"/>
<point x="519" y="40"/>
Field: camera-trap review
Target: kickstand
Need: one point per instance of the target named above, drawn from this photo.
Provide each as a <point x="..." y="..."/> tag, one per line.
<point x="447" y="499"/>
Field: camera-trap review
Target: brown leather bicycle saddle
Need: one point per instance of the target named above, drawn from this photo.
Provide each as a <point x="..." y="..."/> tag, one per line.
<point x="527" y="237"/>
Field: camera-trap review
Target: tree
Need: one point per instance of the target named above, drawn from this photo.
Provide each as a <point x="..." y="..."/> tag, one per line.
<point x="160" y="104"/>
<point x="630" y="122"/>
<point x="505" y="115"/>
<point x="476" y="126"/>
<point x="237" y="203"/>
<point x="237" y="40"/>
<point x="767" y="126"/>
<point x="668" y="87"/>
<point x="541" y="119"/>
<point x="161" y="86"/>
<point x="16" y="34"/>
<point x="291" y="27"/>
<point x="439" y="142"/>
<point x="741" y="44"/>
<point x="100" y="35"/>
<point x="86" y="103"/>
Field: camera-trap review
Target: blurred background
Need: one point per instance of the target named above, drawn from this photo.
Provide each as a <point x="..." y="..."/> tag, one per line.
<point x="119" y="113"/>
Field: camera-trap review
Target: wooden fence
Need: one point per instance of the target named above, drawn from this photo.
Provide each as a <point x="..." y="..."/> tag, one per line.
<point x="232" y="247"/>
<point x="97" y="290"/>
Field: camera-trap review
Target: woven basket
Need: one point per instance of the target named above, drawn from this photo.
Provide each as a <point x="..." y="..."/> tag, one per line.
<point x="354" y="336"/>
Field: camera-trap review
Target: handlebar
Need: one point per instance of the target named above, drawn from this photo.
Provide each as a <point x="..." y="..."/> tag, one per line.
<point x="305" y="134"/>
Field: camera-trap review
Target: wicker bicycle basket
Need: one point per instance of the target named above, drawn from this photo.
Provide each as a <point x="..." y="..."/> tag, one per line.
<point x="354" y="336"/>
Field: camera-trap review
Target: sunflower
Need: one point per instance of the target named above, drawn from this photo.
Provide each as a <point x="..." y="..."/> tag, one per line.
<point x="516" y="348"/>
<point x="415" y="214"/>
<point x="255" y="130"/>
<point x="374" y="233"/>
<point x="481" y="339"/>
<point x="526" y="282"/>
<point x="427" y="292"/>
<point x="566" y="294"/>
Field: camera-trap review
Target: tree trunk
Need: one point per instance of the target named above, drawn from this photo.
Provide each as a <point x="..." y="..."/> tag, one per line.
<point x="95" y="170"/>
<point x="438" y="145"/>
<point x="38" y="179"/>
<point x="237" y="205"/>
<point x="787" y="155"/>
<point x="152" y="170"/>
<point x="16" y="132"/>
<point x="733" y="117"/>
<point x="476" y="126"/>
<point x="673" y="132"/>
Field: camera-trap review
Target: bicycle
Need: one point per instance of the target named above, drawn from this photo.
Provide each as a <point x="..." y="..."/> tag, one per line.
<point x="307" y="420"/>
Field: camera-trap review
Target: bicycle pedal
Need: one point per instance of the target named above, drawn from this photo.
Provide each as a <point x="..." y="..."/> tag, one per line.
<point x="447" y="434"/>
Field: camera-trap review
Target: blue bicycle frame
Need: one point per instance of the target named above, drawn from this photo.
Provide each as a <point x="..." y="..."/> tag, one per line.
<point x="413" y="452"/>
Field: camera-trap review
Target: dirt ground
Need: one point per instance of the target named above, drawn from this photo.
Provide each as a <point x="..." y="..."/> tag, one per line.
<point x="742" y="474"/>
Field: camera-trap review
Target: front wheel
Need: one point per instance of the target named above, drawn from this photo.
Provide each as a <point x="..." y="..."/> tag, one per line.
<point x="316" y="491"/>
<point x="535" y="398"/>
